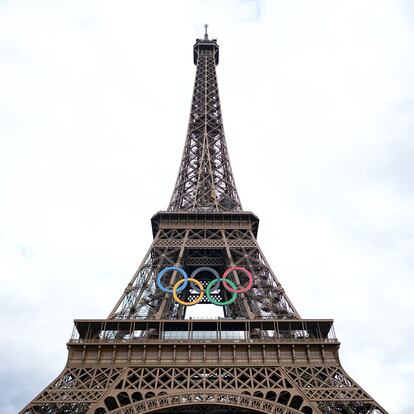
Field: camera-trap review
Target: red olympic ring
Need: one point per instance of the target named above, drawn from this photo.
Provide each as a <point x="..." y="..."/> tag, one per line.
<point x="242" y="269"/>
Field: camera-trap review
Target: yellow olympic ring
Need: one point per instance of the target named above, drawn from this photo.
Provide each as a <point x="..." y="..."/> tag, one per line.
<point x="182" y="302"/>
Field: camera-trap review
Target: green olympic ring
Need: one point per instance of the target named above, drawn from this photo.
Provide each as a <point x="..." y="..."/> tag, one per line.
<point x="216" y="302"/>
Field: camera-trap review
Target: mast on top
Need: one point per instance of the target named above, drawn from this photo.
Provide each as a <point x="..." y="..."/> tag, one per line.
<point x="206" y="34"/>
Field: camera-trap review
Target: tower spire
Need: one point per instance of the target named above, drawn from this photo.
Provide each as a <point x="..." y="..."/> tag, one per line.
<point x="206" y="33"/>
<point x="205" y="179"/>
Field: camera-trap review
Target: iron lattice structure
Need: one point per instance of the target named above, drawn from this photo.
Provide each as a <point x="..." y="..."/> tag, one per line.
<point x="260" y="357"/>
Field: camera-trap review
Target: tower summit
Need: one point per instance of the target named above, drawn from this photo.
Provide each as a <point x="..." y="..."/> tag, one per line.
<point x="260" y="357"/>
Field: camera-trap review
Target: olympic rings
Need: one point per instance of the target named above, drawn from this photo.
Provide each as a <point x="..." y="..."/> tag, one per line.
<point x="167" y="269"/>
<point x="232" y="289"/>
<point x="196" y="300"/>
<point x="208" y="269"/>
<point x="197" y="286"/>
<point x="216" y="302"/>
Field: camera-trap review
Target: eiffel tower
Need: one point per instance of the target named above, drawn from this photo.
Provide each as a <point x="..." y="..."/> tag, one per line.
<point x="260" y="357"/>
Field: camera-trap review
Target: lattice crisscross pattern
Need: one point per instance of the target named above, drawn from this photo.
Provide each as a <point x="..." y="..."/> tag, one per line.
<point x="205" y="180"/>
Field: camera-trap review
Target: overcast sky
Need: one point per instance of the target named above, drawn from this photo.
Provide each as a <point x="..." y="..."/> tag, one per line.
<point x="318" y="106"/>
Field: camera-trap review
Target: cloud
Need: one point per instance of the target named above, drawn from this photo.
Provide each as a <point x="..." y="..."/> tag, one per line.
<point x="317" y="99"/>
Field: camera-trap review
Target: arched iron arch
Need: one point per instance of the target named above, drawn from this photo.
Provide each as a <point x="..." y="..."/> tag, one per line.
<point x="152" y="405"/>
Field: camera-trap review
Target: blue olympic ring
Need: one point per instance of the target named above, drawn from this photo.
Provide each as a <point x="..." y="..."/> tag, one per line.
<point x="167" y="269"/>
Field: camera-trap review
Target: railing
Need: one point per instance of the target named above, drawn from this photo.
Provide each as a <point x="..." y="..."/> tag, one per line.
<point x="195" y="341"/>
<point x="208" y="330"/>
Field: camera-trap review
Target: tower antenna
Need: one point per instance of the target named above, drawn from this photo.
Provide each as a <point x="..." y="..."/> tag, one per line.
<point x="205" y="34"/>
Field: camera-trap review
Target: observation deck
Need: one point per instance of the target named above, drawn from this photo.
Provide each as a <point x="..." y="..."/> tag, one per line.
<point x="205" y="220"/>
<point x="202" y="342"/>
<point x="206" y="46"/>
